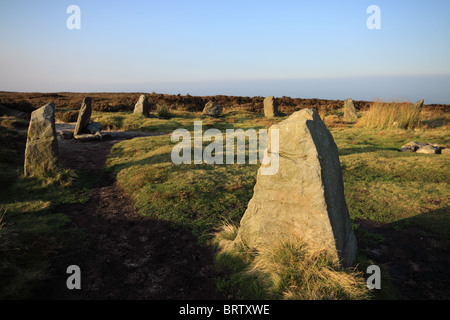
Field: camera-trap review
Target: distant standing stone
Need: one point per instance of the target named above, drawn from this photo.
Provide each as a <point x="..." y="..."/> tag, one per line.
<point x="142" y="106"/>
<point x="304" y="201"/>
<point x="212" y="109"/>
<point x="349" y="110"/>
<point x="41" y="151"/>
<point x="84" y="116"/>
<point x="270" y="107"/>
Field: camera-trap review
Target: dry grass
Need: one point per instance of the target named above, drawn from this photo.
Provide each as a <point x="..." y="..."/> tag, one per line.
<point x="395" y="114"/>
<point x="290" y="271"/>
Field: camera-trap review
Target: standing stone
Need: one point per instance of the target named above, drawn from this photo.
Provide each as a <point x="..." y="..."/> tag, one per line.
<point x="41" y="151"/>
<point x="84" y="117"/>
<point x="270" y="107"/>
<point x="349" y="110"/>
<point x="212" y="109"/>
<point x="304" y="201"/>
<point x="142" y="106"/>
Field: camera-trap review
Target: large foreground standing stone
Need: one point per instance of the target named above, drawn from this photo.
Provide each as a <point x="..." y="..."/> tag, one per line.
<point x="142" y="106"/>
<point x="270" y="107"/>
<point x="349" y="110"/>
<point x="84" y="117"/>
<point x="41" y="151"/>
<point x="304" y="200"/>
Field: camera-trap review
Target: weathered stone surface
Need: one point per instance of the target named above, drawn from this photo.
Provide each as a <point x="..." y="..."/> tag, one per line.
<point x="84" y="116"/>
<point x="422" y="147"/>
<point x="142" y="106"/>
<point x="212" y="109"/>
<point x="428" y="149"/>
<point x="88" y="137"/>
<point x="94" y="127"/>
<point x="270" y="107"/>
<point x="445" y="151"/>
<point x="304" y="200"/>
<point x="66" y="135"/>
<point x="41" y="152"/>
<point x="412" y="146"/>
<point x="349" y="110"/>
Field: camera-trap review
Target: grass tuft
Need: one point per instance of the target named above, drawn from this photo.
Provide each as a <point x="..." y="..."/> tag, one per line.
<point x="289" y="271"/>
<point x="383" y="115"/>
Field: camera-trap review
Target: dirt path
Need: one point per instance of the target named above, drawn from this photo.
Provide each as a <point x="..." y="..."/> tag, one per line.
<point x="129" y="256"/>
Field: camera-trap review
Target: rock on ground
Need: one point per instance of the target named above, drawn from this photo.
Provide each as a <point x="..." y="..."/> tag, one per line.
<point x="304" y="201"/>
<point x="41" y="151"/>
<point x="212" y="109"/>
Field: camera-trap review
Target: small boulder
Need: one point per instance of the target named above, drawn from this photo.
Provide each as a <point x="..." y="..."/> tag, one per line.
<point x="66" y="135"/>
<point x="428" y="149"/>
<point x="212" y="109"/>
<point x="412" y="146"/>
<point x="94" y="128"/>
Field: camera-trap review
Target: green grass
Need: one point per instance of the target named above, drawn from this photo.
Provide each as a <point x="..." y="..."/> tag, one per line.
<point x="403" y="190"/>
<point x="34" y="232"/>
<point x="381" y="184"/>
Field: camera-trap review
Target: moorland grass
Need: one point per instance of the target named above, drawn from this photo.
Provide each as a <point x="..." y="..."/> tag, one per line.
<point x="33" y="230"/>
<point x="395" y="114"/>
<point x="381" y="184"/>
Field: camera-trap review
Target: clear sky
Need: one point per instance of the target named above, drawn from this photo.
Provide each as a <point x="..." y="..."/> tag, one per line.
<point x="304" y="49"/>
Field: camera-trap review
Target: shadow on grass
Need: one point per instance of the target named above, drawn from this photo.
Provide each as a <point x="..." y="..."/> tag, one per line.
<point x="415" y="252"/>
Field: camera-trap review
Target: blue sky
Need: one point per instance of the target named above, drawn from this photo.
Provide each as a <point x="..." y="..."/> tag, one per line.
<point x="304" y="49"/>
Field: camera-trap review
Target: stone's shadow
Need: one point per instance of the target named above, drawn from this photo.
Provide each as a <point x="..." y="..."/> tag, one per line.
<point x="416" y="253"/>
<point x="127" y="256"/>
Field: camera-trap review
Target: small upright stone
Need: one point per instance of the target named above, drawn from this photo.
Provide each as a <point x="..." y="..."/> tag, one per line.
<point x="84" y="117"/>
<point x="270" y="107"/>
<point x="212" y="109"/>
<point x="142" y="106"/>
<point x="349" y="110"/>
<point x="41" y="151"/>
